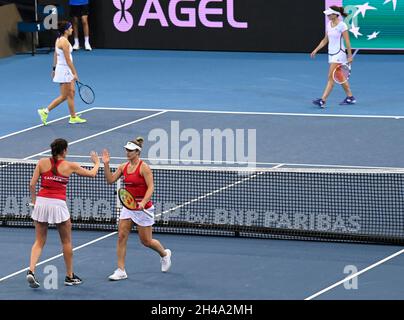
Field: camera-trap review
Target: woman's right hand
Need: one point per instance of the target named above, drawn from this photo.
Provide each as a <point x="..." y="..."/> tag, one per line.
<point x="94" y="157"/>
<point x="105" y="156"/>
<point x="76" y="77"/>
<point x="313" y="54"/>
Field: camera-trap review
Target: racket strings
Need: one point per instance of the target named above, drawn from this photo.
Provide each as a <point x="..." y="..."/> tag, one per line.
<point x="87" y="94"/>
<point x="342" y="73"/>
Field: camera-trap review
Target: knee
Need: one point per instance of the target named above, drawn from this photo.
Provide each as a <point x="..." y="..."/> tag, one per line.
<point x="66" y="241"/>
<point x="122" y="237"/>
<point x="146" y="242"/>
<point x="40" y="243"/>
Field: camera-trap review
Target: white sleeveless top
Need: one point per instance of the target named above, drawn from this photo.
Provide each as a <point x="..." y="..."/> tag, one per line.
<point x="63" y="74"/>
<point x="61" y="59"/>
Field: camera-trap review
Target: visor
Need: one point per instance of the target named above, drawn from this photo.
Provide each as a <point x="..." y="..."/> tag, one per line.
<point x="331" y="11"/>
<point x="132" y="146"/>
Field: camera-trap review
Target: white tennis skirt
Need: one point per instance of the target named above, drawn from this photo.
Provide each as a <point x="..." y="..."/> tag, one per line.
<point x="340" y="57"/>
<point x="50" y="210"/>
<point x="138" y="217"/>
<point x="63" y="74"/>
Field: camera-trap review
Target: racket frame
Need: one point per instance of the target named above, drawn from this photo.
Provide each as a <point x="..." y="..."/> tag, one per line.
<point x="79" y="86"/>
<point x="349" y="68"/>
<point x="132" y="209"/>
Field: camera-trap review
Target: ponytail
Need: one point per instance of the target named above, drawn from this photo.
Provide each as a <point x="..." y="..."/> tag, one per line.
<point x="341" y="10"/>
<point x="58" y="146"/>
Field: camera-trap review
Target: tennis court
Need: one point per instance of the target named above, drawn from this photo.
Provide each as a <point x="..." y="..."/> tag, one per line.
<point x="239" y="261"/>
<point x="259" y="194"/>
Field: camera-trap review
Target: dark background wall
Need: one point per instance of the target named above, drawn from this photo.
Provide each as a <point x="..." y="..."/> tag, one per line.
<point x="285" y="26"/>
<point x="272" y="26"/>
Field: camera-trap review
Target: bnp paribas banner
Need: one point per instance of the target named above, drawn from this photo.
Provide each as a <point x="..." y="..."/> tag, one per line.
<point x="374" y="24"/>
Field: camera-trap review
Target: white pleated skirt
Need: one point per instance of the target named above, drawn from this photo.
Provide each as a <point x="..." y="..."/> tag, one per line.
<point x="63" y="74"/>
<point x="138" y="217"/>
<point x="50" y="210"/>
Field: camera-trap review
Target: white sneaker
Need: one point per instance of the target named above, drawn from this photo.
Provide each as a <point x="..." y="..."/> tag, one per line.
<point x="166" y="261"/>
<point x="76" y="46"/>
<point x="87" y="47"/>
<point x="118" y="274"/>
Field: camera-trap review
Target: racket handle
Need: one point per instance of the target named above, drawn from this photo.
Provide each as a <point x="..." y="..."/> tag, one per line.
<point x="148" y="213"/>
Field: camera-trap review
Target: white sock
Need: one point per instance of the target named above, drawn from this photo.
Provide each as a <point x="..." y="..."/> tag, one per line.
<point x="87" y="40"/>
<point x="76" y="41"/>
<point x="46" y="110"/>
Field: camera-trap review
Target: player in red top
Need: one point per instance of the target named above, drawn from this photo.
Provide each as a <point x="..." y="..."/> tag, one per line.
<point x="50" y="205"/>
<point x="138" y="180"/>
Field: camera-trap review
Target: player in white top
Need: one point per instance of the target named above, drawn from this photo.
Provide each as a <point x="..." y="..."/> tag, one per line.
<point x="336" y="34"/>
<point x="63" y="73"/>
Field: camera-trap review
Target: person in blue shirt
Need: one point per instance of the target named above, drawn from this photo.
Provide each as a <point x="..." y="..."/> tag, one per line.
<point x="80" y="9"/>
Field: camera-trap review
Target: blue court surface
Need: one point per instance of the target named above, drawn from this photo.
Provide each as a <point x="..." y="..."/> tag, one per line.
<point x="264" y="97"/>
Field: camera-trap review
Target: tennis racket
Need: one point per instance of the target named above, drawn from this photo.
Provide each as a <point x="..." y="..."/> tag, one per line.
<point x="129" y="202"/>
<point x="342" y="73"/>
<point x="85" y="92"/>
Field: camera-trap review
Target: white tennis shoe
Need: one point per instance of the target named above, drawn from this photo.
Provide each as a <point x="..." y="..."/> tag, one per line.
<point x="118" y="274"/>
<point x="166" y="261"/>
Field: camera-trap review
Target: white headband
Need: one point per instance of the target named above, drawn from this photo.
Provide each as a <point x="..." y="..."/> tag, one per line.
<point x="132" y="146"/>
<point x="331" y="11"/>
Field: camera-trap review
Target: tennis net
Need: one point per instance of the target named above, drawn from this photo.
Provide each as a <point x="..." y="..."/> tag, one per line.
<point x="287" y="203"/>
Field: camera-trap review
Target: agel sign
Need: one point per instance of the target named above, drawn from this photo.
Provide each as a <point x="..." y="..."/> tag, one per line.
<point x="190" y="10"/>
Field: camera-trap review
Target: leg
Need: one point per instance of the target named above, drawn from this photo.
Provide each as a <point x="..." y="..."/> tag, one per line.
<point x="41" y="231"/>
<point x="60" y="99"/>
<point x="76" y="33"/>
<point x="330" y="82"/>
<point x="125" y="226"/>
<point x="65" y="233"/>
<point x="86" y="30"/>
<point x="347" y="89"/>
<point x="69" y="91"/>
<point x="146" y="237"/>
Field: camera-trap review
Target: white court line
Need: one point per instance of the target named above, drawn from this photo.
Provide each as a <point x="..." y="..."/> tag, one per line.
<point x="200" y="161"/>
<point x="256" y="113"/>
<point x="59" y="255"/>
<point x="355" y="275"/>
<point x="41" y="125"/>
<point x="99" y="133"/>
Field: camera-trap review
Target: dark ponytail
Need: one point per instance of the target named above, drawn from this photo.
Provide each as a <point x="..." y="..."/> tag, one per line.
<point x="58" y="146"/>
<point x="341" y="10"/>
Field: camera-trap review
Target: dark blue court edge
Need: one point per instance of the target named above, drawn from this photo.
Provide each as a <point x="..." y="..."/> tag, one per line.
<point x="143" y="309"/>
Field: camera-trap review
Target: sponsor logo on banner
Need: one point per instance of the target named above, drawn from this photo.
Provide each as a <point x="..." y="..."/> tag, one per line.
<point x="209" y="13"/>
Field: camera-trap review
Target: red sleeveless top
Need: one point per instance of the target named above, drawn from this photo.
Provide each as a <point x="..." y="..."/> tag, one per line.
<point x="53" y="186"/>
<point x="135" y="183"/>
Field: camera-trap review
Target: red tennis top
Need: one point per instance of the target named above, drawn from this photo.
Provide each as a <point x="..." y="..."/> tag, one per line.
<point x="135" y="183"/>
<point x="53" y="186"/>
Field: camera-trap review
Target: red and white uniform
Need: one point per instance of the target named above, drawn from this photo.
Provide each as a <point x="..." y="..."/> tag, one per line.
<point x="50" y="205"/>
<point x="135" y="183"/>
